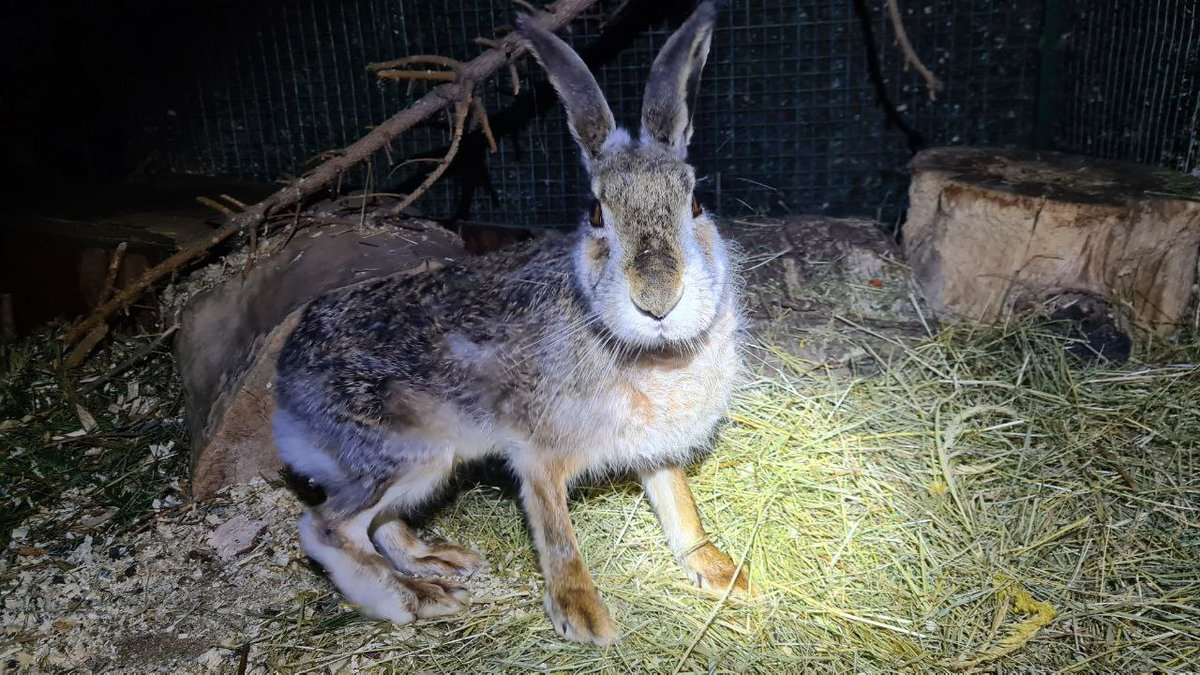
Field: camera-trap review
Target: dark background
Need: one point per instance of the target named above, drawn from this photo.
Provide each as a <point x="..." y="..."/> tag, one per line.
<point x="788" y="121"/>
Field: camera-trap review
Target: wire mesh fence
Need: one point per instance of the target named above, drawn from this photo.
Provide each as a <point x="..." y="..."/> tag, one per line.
<point x="787" y="119"/>
<point x="1130" y="86"/>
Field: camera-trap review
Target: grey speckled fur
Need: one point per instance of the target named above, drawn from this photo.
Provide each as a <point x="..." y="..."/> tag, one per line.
<point x="338" y="368"/>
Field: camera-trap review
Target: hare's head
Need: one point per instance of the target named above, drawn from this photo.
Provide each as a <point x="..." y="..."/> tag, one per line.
<point x="650" y="261"/>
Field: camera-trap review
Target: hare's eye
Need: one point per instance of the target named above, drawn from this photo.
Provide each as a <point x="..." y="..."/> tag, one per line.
<point x="696" y="208"/>
<point x="597" y="217"/>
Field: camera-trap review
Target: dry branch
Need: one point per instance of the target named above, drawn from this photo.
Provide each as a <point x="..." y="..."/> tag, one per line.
<point x="110" y="279"/>
<point x="512" y="67"/>
<point x="236" y="202"/>
<point x="460" y="119"/>
<point x="85" y="347"/>
<point x="154" y="274"/>
<point x="130" y="362"/>
<point x="910" y="55"/>
<point x="406" y="61"/>
<point x="216" y="206"/>
<point x="417" y="75"/>
<point x="440" y="97"/>
<point x="481" y="117"/>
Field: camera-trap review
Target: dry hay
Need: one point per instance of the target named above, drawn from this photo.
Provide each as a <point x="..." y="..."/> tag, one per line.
<point x="985" y="502"/>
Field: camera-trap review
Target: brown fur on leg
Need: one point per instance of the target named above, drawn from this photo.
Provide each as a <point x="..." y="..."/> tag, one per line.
<point x="366" y="579"/>
<point x="574" y="605"/>
<point x="709" y="568"/>
<point x="410" y="555"/>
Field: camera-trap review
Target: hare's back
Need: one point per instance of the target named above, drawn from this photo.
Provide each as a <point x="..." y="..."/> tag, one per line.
<point x="352" y="344"/>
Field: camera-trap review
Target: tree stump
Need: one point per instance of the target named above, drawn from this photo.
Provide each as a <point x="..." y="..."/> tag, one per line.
<point x="992" y="232"/>
<point x="230" y="337"/>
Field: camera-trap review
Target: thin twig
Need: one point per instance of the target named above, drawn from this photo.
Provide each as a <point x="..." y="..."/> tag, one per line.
<point x="216" y="206"/>
<point x="291" y="231"/>
<point x="460" y="120"/>
<point x="417" y="75"/>
<point x="114" y="266"/>
<point x="236" y="202"/>
<point x="910" y="56"/>
<point x="415" y="160"/>
<point x="481" y="117"/>
<point x="875" y="74"/>
<point x="415" y="59"/>
<point x="129" y="362"/>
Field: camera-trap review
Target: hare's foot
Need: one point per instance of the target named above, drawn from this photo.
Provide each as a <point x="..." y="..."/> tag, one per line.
<point x="410" y="555"/>
<point x="368" y="581"/>
<point x="435" y="597"/>
<point x="707" y="566"/>
<point x="576" y="610"/>
<point x="712" y="571"/>
<point x="574" y="606"/>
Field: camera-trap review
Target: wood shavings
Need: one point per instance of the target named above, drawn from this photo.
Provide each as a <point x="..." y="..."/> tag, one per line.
<point x="106" y="603"/>
<point x="236" y="536"/>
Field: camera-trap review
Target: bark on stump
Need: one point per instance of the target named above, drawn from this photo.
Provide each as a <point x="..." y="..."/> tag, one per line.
<point x="992" y="232"/>
<point x="230" y="336"/>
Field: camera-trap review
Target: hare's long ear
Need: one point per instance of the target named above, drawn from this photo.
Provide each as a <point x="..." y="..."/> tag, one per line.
<point x="675" y="80"/>
<point x="588" y="115"/>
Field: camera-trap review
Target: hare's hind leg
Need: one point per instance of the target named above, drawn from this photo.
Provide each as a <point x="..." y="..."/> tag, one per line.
<point x="402" y="547"/>
<point x="342" y="545"/>
<point x="409" y="554"/>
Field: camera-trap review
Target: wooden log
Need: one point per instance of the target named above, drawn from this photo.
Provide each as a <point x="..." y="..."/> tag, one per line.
<point x="230" y="336"/>
<point x="993" y="232"/>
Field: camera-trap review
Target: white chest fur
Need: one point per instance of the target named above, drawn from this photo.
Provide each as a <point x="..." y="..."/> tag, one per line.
<point x="645" y="413"/>
<point x="653" y="411"/>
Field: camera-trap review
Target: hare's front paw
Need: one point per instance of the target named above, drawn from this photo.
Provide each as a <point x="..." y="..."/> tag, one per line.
<point x="579" y="614"/>
<point x="712" y="570"/>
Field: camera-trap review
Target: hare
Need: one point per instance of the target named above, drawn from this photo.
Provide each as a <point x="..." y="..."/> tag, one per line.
<point x="612" y="350"/>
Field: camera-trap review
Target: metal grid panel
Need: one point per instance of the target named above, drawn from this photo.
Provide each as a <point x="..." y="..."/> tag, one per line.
<point x="786" y="121"/>
<point x="1131" y="81"/>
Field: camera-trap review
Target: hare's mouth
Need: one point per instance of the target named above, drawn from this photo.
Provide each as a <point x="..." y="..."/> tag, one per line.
<point x="687" y="321"/>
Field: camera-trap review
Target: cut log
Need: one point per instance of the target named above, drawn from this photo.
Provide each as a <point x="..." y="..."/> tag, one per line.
<point x="229" y="338"/>
<point x="993" y="232"/>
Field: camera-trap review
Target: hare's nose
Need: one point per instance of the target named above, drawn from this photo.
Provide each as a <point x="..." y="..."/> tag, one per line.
<point x="657" y="305"/>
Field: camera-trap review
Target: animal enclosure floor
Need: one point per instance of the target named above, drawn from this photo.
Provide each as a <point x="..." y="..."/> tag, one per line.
<point x="982" y="500"/>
